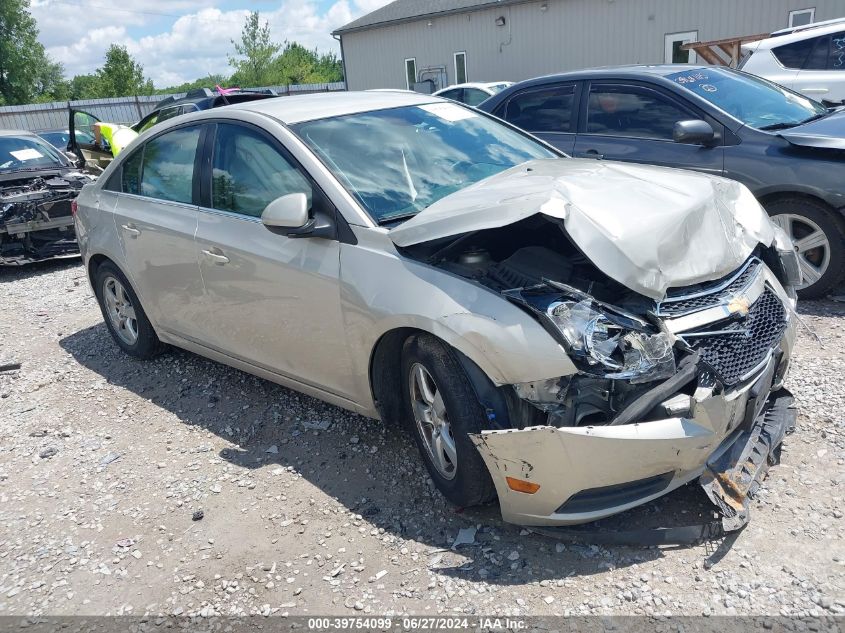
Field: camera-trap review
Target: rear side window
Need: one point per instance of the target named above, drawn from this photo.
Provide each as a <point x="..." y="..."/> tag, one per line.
<point x="632" y="112"/>
<point x="167" y="167"/>
<point x="794" y="55"/>
<point x="248" y="173"/>
<point x="131" y="173"/>
<point x="454" y="95"/>
<point x="474" y="96"/>
<point x="543" y="110"/>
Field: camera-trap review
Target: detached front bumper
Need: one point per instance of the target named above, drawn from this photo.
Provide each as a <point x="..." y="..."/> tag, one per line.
<point x="587" y="473"/>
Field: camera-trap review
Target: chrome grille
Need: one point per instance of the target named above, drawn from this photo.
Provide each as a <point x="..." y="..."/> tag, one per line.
<point x="686" y="300"/>
<point x="733" y="348"/>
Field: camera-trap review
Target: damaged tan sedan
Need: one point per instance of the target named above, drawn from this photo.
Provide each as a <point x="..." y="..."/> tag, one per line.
<point x="576" y="337"/>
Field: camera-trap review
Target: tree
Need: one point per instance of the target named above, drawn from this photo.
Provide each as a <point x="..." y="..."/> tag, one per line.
<point x="121" y="75"/>
<point x="26" y="72"/>
<point x="299" y="65"/>
<point x="255" y="54"/>
<point x="84" y="87"/>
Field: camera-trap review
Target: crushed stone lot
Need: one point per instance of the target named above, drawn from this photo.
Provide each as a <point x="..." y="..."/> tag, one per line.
<point x="181" y="486"/>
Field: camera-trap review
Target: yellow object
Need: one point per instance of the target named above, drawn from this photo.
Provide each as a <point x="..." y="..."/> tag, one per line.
<point x="118" y="136"/>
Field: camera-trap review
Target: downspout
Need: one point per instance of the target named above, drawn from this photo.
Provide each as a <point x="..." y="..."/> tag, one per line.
<point x="339" y="39"/>
<point x="510" y="33"/>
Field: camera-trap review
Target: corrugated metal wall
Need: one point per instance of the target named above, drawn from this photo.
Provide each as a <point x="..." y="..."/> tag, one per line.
<point x="565" y="35"/>
<point x="39" y="117"/>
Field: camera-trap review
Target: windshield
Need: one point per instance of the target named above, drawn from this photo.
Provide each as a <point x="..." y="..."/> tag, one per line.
<point x="754" y="101"/>
<point x="28" y="152"/>
<point x="497" y="88"/>
<point x="399" y="161"/>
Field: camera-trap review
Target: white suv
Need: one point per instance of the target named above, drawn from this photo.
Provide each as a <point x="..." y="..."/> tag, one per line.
<point x="808" y="59"/>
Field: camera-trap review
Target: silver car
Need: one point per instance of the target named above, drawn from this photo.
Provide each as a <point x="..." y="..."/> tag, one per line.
<point x="575" y="337"/>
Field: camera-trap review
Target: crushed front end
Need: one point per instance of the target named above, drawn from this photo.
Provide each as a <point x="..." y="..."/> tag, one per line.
<point x="35" y="216"/>
<point x="693" y="389"/>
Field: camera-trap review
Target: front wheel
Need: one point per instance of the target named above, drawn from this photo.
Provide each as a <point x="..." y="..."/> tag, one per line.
<point x="819" y="239"/>
<point x="443" y="411"/>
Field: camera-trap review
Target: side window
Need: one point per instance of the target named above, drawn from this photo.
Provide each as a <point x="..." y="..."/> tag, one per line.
<point x="474" y="96"/>
<point x="169" y="113"/>
<point x="543" y="110"/>
<point x="248" y="173"/>
<point x="794" y="55"/>
<point x="818" y="56"/>
<point x="167" y="169"/>
<point x="454" y="95"/>
<point x="130" y="173"/>
<point x="633" y="112"/>
<point x="836" y="57"/>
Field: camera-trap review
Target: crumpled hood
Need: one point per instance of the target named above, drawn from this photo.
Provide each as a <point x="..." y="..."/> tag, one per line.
<point x="649" y="228"/>
<point x="826" y="133"/>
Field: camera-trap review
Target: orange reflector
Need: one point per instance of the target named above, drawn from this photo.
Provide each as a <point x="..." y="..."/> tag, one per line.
<point x="520" y="485"/>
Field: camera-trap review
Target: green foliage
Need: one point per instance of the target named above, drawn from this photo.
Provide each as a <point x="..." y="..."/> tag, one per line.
<point x="28" y="75"/>
<point x="254" y="52"/>
<point x="121" y="75"/>
<point x="26" y="72"/>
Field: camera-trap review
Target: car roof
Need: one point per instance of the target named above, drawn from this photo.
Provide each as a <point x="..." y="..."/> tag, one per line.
<point x="17" y="133"/>
<point x="475" y="84"/>
<point x="301" y="108"/>
<point x="801" y="33"/>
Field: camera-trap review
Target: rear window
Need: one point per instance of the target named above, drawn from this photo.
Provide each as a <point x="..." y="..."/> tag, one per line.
<point x="543" y="110"/>
<point x="794" y="55"/>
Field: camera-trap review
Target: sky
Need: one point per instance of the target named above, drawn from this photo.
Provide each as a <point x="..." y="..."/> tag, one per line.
<point x="181" y="40"/>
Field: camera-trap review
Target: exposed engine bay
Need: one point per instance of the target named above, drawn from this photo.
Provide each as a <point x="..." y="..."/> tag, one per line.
<point x="618" y="339"/>
<point x="35" y="215"/>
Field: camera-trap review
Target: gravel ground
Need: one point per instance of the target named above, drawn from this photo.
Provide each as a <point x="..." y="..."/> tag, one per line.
<point x="307" y="509"/>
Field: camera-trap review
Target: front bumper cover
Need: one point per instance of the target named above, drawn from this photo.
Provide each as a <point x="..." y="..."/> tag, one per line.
<point x="729" y="440"/>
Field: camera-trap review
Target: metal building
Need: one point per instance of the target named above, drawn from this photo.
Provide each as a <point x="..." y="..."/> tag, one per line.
<point x="452" y="41"/>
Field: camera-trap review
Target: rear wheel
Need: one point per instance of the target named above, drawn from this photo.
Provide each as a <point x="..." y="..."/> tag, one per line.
<point x="125" y="318"/>
<point x="443" y="411"/>
<point x="819" y="239"/>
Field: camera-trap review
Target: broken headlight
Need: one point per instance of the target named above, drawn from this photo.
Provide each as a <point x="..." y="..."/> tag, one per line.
<point x="612" y="346"/>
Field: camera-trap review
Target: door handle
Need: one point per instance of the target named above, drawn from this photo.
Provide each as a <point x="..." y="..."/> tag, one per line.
<point x="815" y="90"/>
<point x="591" y="153"/>
<point x="218" y="258"/>
<point x="131" y="229"/>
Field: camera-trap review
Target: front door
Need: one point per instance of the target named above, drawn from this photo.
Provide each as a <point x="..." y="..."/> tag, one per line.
<point x="83" y="141"/>
<point x="271" y="300"/>
<point x="156" y="219"/>
<point x="634" y="123"/>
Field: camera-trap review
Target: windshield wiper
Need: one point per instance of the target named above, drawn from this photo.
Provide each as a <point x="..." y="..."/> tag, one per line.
<point x="785" y="126"/>
<point x="397" y="218"/>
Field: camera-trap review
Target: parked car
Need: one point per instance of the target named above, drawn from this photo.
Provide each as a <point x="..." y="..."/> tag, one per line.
<point x="472" y="93"/>
<point x="37" y="187"/>
<point x="60" y="139"/>
<point x="577" y="337"/>
<point x="788" y="149"/>
<point x="81" y="125"/>
<point x="809" y="59"/>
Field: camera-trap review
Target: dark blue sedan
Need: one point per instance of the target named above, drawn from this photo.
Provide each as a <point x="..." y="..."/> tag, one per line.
<point x="788" y="149"/>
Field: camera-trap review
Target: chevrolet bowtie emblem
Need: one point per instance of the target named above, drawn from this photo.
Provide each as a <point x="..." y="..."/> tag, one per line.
<point x="739" y="305"/>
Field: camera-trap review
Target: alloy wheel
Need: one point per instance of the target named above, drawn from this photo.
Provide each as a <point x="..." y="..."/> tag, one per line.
<point x="432" y="421"/>
<point x="811" y="244"/>
<point x="120" y="310"/>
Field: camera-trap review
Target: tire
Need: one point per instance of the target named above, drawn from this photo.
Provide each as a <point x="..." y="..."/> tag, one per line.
<point x="127" y="323"/>
<point x="469" y="481"/>
<point x="802" y="218"/>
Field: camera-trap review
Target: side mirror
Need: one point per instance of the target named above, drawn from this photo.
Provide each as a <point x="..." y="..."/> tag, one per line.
<point x="693" y="132"/>
<point x="287" y="212"/>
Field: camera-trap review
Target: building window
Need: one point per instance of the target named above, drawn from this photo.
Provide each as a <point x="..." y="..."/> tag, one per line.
<point x="802" y="17"/>
<point x="673" y="53"/>
<point x="410" y="72"/>
<point x="460" y="68"/>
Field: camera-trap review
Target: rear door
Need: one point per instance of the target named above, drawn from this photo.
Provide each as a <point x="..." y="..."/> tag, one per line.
<point x="549" y="112"/>
<point x="633" y="122"/>
<point x="156" y="217"/>
<point x="822" y="76"/>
